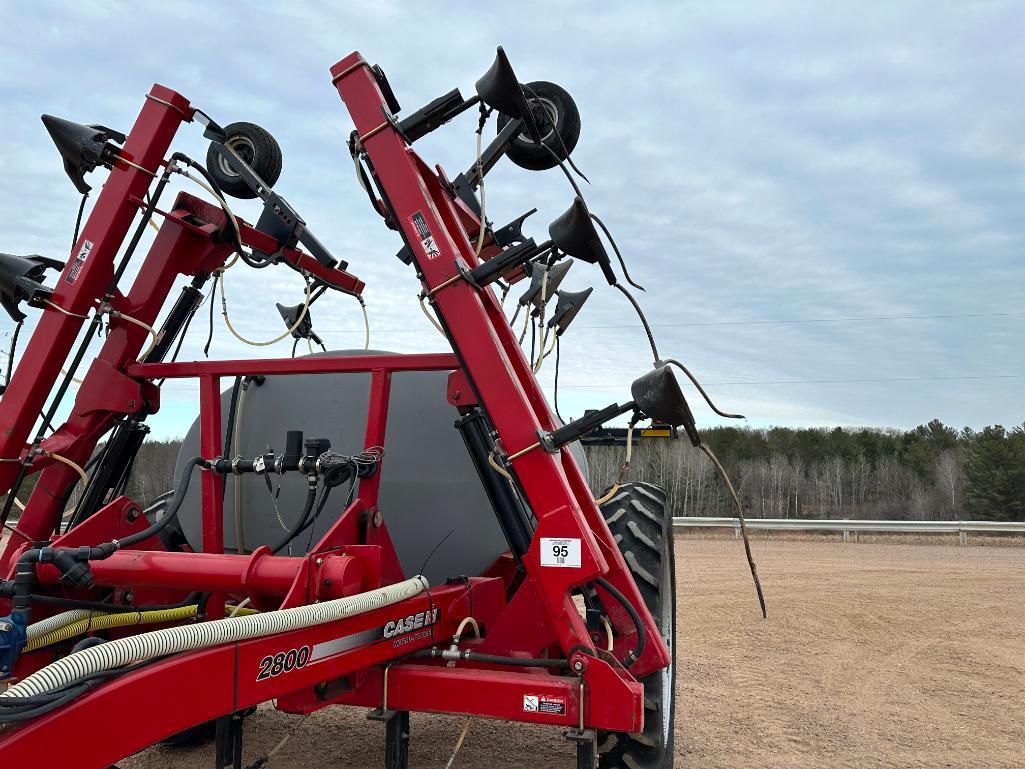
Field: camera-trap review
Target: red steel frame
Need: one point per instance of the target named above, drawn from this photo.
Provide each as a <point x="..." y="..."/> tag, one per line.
<point x="539" y="619"/>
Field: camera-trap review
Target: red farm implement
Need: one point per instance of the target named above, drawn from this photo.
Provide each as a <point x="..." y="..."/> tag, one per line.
<point x="112" y="608"/>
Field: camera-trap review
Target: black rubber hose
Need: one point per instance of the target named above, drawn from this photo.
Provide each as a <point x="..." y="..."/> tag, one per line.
<point x="23" y="714"/>
<point x="641" y="635"/>
<point x="10" y="355"/>
<point x="229" y="431"/>
<point x="494" y="659"/>
<point x="110" y="608"/>
<point x="254" y="263"/>
<point x="171" y="511"/>
<point x="14" y="709"/>
<point x="300" y="523"/>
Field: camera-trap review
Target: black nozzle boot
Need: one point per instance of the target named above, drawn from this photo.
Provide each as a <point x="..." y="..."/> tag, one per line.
<point x="566" y="309"/>
<point x="21" y="279"/>
<point x="658" y="396"/>
<point x="82" y="147"/>
<point x="499" y="89"/>
<point x="574" y="233"/>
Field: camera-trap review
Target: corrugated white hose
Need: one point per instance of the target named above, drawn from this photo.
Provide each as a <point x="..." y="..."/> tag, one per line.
<point x="57" y="621"/>
<point x="157" y="643"/>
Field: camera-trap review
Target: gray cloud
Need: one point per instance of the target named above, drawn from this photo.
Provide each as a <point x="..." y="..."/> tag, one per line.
<point x="756" y="161"/>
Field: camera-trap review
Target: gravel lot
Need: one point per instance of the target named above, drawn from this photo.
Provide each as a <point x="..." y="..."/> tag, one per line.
<point x="874" y="655"/>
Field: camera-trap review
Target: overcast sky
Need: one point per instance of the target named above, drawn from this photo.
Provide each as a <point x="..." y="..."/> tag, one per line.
<point x="824" y="201"/>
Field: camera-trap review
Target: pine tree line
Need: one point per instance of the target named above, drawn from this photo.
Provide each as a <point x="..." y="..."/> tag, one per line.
<point x="932" y="472"/>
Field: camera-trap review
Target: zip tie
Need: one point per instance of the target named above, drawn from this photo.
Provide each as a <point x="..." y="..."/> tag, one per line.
<point x="136" y="166"/>
<point x="373" y="132"/>
<point x="521" y="452"/>
<point x="349" y="70"/>
<point x="445" y="284"/>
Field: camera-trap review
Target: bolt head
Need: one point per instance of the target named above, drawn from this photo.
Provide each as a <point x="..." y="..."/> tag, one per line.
<point x="378" y="519"/>
<point x="578" y="666"/>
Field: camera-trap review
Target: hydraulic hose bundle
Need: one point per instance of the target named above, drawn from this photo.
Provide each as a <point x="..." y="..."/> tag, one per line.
<point x="70" y="676"/>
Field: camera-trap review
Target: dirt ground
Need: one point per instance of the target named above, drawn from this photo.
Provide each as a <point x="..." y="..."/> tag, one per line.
<point x="873" y="655"/>
<point x="886" y="653"/>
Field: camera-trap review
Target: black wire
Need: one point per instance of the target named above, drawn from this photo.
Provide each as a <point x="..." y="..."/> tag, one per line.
<point x="77" y="603"/>
<point x="634" y="616"/>
<point x="644" y="321"/>
<point x="294" y="345"/>
<point x="78" y="220"/>
<point x="701" y="390"/>
<point x="25" y="714"/>
<point x="229" y="432"/>
<point x="558" y="136"/>
<point x="171" y="511"/>
<point x="210" y="335"/>
<point x="533" y="337"/>
<point x="181" y="339"/>
<point x="740" y="518"/>
<point x="247" y="258"/>
<point x="495" y="659"/>
<point x="299" y="525"/>
<point x="14" y="349"/>
<point x="58" y="697"/>
<point x="557" y="381"/>
<point x="612" y="242"/>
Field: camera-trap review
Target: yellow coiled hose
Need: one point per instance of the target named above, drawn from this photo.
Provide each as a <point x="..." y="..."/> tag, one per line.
<point x="100" y="621"/>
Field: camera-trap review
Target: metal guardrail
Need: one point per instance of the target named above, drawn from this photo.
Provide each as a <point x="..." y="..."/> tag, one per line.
<point x="847" y="527"/>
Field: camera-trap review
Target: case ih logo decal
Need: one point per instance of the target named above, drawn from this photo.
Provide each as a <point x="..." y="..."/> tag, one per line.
<point x="408" y="624"/>
<point x="80" y="257"/>
<point x="426" y="237"/>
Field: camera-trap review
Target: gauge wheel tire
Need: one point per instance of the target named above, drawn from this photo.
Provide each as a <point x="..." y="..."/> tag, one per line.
<point x="558" y="120"/>
<point x="642" y="526"/>
<point x="256" y="147"/>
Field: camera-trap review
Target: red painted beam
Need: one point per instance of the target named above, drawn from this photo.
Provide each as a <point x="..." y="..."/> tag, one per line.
<point x="323" y="364"/>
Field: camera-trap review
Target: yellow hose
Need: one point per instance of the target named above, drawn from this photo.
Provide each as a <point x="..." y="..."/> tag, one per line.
<point x="101" y="621"/>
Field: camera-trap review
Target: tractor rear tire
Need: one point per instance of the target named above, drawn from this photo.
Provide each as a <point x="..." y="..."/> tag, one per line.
<point x="642" y="526"/>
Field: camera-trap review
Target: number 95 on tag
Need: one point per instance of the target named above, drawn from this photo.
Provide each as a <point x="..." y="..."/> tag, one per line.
<point x="560" y="552"/>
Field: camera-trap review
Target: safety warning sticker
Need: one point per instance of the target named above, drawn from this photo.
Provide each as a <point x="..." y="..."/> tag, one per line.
<point x="426" y="236"/>
<point x="560" y="551"/>
<point x="80" y="257"/>
<point x="544" y="703"/>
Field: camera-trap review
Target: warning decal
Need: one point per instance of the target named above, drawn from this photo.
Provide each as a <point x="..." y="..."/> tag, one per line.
<point x="425" y="235"/>
<point x="80" y="257"/>
<point x="544" y="703"/>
